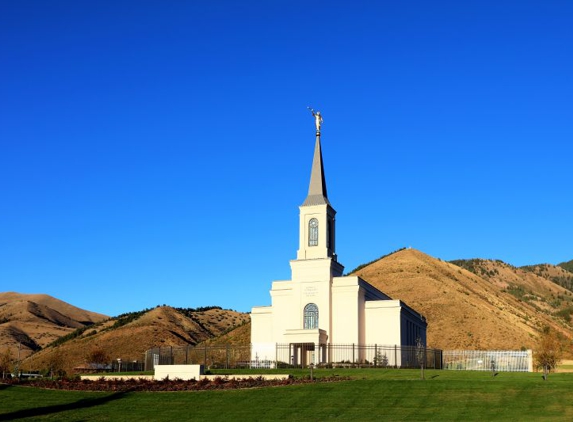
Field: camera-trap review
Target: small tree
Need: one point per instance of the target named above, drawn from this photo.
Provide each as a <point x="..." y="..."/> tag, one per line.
<point x="380" y="359"/>
<point x="421" y="355"/>
<point x="548" y="352"/>
<point x="6" y="361"/>
<point x="97" y="358"/>
<point x="56" y="364"/>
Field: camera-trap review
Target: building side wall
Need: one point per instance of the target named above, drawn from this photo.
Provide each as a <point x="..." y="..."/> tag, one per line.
<point x="264" y="352"/>
<point x="262" y="340"/>
<point x="262" y="324"/>
<point x="284" y="304"/>
<point x="347" y="301"/>
<point x="412" y="326"/>
<point x="382" y="322"/>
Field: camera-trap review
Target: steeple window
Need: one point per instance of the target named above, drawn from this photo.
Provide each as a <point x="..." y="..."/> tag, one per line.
<point x="313" y="232"/>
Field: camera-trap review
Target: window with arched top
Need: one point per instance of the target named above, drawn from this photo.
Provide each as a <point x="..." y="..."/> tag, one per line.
<point x="313" y="232"/>
<point x="310" y="316"/>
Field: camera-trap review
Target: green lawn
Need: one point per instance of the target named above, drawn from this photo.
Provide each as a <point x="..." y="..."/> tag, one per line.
<point x="371" y="395"/>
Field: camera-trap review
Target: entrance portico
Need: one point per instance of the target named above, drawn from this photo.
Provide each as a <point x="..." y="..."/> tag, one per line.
<point x="307" y="346"/>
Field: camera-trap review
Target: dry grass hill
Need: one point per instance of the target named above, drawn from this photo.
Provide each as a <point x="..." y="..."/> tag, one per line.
<point x="239" y="336"/>
<point x="130" y="335"/>
<point x="558" y="274"/>
<point x="475" y="304"/>
<point x="35" y="320"/>
<point x="567" y="266"/>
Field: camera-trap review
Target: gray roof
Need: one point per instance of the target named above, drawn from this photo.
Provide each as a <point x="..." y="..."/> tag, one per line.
<point x="317" y="188"/>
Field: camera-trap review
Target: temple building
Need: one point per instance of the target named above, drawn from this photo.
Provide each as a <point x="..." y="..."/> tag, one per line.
<point x="321" y="316"/>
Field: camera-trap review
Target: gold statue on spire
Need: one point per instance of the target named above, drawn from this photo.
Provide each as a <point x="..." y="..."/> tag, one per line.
<point x="317" y="119"/>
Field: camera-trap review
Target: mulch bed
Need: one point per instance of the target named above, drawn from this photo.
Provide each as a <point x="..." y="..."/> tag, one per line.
<point x="219" y="383"/>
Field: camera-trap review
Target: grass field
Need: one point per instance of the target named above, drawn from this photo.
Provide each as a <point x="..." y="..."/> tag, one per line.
<point x="371" y="395"/>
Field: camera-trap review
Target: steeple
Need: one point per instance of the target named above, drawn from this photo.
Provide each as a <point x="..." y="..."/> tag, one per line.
<point x="317" y="217"/>
<point x="317" y="188"/>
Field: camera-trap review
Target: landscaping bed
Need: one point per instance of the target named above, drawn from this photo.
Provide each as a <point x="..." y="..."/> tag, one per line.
<point x="141" y="384"/>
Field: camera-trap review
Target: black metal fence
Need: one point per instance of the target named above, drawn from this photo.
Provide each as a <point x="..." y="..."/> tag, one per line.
<point x="226" y="357"/>
<point x="356" y="355"/>
<point x="332" y="355"/>
<point x="127" y="366"/>
<point x="296" y="355"/>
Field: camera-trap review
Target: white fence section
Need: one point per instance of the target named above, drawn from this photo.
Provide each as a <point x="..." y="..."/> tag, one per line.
<point x="488" y="360"/>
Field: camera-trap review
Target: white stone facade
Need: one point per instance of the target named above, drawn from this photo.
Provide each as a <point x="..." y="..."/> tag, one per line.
<point x="319" y="307"/>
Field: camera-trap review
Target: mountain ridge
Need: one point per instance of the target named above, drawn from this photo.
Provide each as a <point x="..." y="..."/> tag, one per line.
<point x="32" y="321"/>
<point x="130" y="335"/>
<point x="459" y="304"/>
<point x="469" y="304"/>
<point x="567" y="265"/>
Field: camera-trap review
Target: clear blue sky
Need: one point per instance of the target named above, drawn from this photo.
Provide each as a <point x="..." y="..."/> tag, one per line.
<point x="156" y="152"/>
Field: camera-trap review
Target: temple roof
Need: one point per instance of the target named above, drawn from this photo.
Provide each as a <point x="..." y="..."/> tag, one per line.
<point x="317" y="187"/>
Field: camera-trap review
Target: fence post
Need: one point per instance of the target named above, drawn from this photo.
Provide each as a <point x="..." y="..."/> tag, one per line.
<point x="395" y="356"/>
<point x="353" y="358"/>
<point x="227" y="361"/>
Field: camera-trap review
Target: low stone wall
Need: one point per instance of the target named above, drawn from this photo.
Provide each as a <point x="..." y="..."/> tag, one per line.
<point x="209" y="377"/>
<point x="182" y="372"/>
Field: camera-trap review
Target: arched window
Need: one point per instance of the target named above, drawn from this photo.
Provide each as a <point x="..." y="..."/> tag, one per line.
<point x="313" y="232"/>
<point x="310" y="316"/>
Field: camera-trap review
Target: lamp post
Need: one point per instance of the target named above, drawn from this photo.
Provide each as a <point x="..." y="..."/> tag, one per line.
<point x="118" y="364"/>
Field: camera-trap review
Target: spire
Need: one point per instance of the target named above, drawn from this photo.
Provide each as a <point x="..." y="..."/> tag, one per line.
<point x="317" y="188"/>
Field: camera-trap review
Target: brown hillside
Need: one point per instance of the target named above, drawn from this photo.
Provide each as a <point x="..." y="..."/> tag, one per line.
<point x="535" y="288"/>
<point x="464" y="310"/>
<point x="239" y="336"/>
<point x="555" y="273"/>
<point x="35" y="320"/>
<point x="60" y="306"/>
<point x="159" y="327"/>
